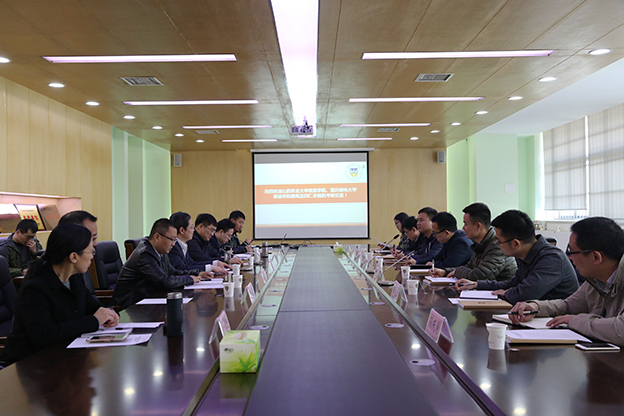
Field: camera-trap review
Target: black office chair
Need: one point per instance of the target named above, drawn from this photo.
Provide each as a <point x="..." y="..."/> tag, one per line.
<point x="130" y="245"/>
<point x="108" y="264"/>
<point x="8" y="300"/>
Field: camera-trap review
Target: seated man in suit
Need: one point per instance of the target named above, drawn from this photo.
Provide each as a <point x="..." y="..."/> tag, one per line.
<point x="544" y="272"/>
<point x="148" y="271"/>
<point x="20" y="247"/>
<point x="428" y="245"/>
<point x="455" y="245"/>
<point x="596" y="310"/>
<point x="218" y="243"/>
<point x="238" y="219"/>
<point x="487" y="261"/>
<point x="179" y="256"/>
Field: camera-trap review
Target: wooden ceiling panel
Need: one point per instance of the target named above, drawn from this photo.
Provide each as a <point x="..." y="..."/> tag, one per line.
<point x="519" y="23"/>
<point x="451" y="26"/>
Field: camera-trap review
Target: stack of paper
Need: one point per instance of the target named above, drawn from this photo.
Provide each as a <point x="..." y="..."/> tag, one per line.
<point x="484" y="304"/>
<point x="535" y="323"/>
<point x="159" y="301"/>
<point x="544" y="336"/>
<point x="440" y="281"/>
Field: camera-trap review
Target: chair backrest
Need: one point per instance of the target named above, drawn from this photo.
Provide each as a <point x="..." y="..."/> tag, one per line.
<point x="108" y="263"/>
<point x="130" y="245"/>
<point x="8" y="298"/>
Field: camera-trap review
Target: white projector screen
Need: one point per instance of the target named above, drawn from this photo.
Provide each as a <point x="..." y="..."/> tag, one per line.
<point x="310" y="195"/>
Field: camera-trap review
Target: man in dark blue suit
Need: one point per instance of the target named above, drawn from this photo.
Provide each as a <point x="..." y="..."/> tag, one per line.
<point x="179" y="255"/>
<point x="455" y="245"/>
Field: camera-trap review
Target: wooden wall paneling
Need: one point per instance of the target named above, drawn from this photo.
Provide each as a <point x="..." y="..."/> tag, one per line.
<point x="73" y="166"/>
<point x="4" y="154"/>
<point x="103" y="186"/>
<point x="57" y="160"/>
<point x="40" y="146"/>
<point x="18" y="136"/>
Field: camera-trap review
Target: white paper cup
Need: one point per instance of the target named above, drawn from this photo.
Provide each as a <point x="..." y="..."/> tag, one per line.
<point x="228" y="289"/>
<point x="496" y="337"/>
<point x="405" y="272"/>
<point x="236" y="269"/>
<point x="411" y="286"/>
<point x="238" y="280"/>
<point x="229" y="276"/>
<point x="379" y="263"/>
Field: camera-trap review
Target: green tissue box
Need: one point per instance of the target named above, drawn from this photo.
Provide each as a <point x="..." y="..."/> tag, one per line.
<point x="240" y="351"/>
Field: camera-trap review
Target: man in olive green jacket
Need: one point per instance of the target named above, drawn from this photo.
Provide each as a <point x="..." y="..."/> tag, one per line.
<point x="488" y="261"/>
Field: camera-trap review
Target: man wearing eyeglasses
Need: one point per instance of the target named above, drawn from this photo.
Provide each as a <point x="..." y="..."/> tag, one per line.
<point x="455" y="245"/>
<point x="596" y="248"/>
<point x="199" y="246"/>
<point x="148" y="271"/>
<point x="20" y="247"/>
<point x="543" y="272"/>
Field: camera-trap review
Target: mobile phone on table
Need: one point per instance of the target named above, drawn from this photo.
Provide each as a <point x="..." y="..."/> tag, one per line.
<point x="108" y="338"/>
<point x="596" y="346"/>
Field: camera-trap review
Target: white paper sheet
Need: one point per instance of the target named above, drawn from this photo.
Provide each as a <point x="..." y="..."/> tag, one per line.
<point x="454" y="301"/>
<point x="535" y="323"/>
<point x="160" y="301"/>
<point x="478" y="294"/>
<point x="132" y="340"/>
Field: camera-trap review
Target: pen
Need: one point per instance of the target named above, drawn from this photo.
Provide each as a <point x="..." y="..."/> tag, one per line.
<point x="524" y="313"/>
<point x="466" y="284"/>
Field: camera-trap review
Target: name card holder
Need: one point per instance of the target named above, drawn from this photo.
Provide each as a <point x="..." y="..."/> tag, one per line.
<point x="397" y="290"/>
<point x="438" y="325"/>
<point x="249" y="291"/>
<point x="221" y="323"/>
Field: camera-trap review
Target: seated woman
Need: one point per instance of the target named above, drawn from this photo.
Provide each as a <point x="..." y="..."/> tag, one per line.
<point x="54" y="304"/>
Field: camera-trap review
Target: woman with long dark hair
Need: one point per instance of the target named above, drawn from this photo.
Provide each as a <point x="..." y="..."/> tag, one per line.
<point x="54" y="304"/>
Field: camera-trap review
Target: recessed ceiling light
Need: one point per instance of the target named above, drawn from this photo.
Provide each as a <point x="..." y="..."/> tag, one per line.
<point x="179" y="135"/>
<point x="387" y="125"/>
<point x="92" y="103"/>
<point x="548" y="79"/>
<point x="414" y="138"/>
<point x="199" y="141"/>
<point x="434" y="131"/>
<point x="248" y="140"/>
<point x="480" y="113"/>
<point x="599" y="51"/>
<point x="464" y="54"/>
<point x="515" y="98"/>
<point x="411" y="99"/>
<point x="251" y="126"/>
<point x="298" y="42"/>
<point x="455" y="124"/>
<point x="139" y="58"/>
<point x="56" y="85"/>
<point x="197" y="102"/>
<point x="129" y="117"/>
<point x="157" y="127"/>
<point x="367" y="138"/>
<point x="4" y="60"/>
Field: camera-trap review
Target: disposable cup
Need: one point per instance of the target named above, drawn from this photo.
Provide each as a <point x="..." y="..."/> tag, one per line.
<point x="238" y="280"/>
<point x="405" y="272"/>
<point x="412" y="285"/>
<point x="236" y="268"/>
<point x="228" y="289"/>
<point x="496" y="335"/>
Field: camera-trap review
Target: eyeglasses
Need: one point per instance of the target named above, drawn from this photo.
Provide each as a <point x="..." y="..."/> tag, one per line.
<point x="569" y="251"/>
<point x="498" y="243"/>
<point x="29" y="237"/>
<point x="441" y="231"/>
<point x="168" y="238"/>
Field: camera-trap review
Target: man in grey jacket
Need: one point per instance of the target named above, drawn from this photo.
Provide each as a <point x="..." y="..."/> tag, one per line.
<point x="595" y="310"/>
<point x="488" y="261"/>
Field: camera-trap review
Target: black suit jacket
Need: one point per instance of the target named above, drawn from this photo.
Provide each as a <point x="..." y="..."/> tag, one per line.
<point x="47" y="312"/>
<point x="145" y="274"/>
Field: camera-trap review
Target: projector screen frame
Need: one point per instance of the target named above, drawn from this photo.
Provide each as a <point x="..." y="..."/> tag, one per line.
<point x="364" y="152"/>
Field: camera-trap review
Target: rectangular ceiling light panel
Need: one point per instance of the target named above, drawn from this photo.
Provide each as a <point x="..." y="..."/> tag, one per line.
<point x="139" y="58"/>
<point x="454" y="55"/>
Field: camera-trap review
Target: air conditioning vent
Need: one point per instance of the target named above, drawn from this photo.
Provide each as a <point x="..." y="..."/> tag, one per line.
<point x="142" y="81"/>
<point x="207" y="131"/>
<point x="389" y="129"/>
<point x="433" y="77"/>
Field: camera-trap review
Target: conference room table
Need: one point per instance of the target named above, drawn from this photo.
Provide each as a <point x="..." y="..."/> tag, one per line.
<point x="326" y="347"/>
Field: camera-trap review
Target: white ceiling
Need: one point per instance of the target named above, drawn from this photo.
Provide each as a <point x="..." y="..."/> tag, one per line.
<point x="601" y="90"/>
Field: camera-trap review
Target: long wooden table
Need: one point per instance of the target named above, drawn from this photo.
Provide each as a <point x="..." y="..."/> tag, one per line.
<point x="311" y="309"/>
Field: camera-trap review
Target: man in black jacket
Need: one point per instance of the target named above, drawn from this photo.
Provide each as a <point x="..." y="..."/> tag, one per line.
<point x="148" y="270"/>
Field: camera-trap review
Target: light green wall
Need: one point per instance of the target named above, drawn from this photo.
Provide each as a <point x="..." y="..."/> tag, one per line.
<point x="480" y="167"/>
<point x="141" y="186"/>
